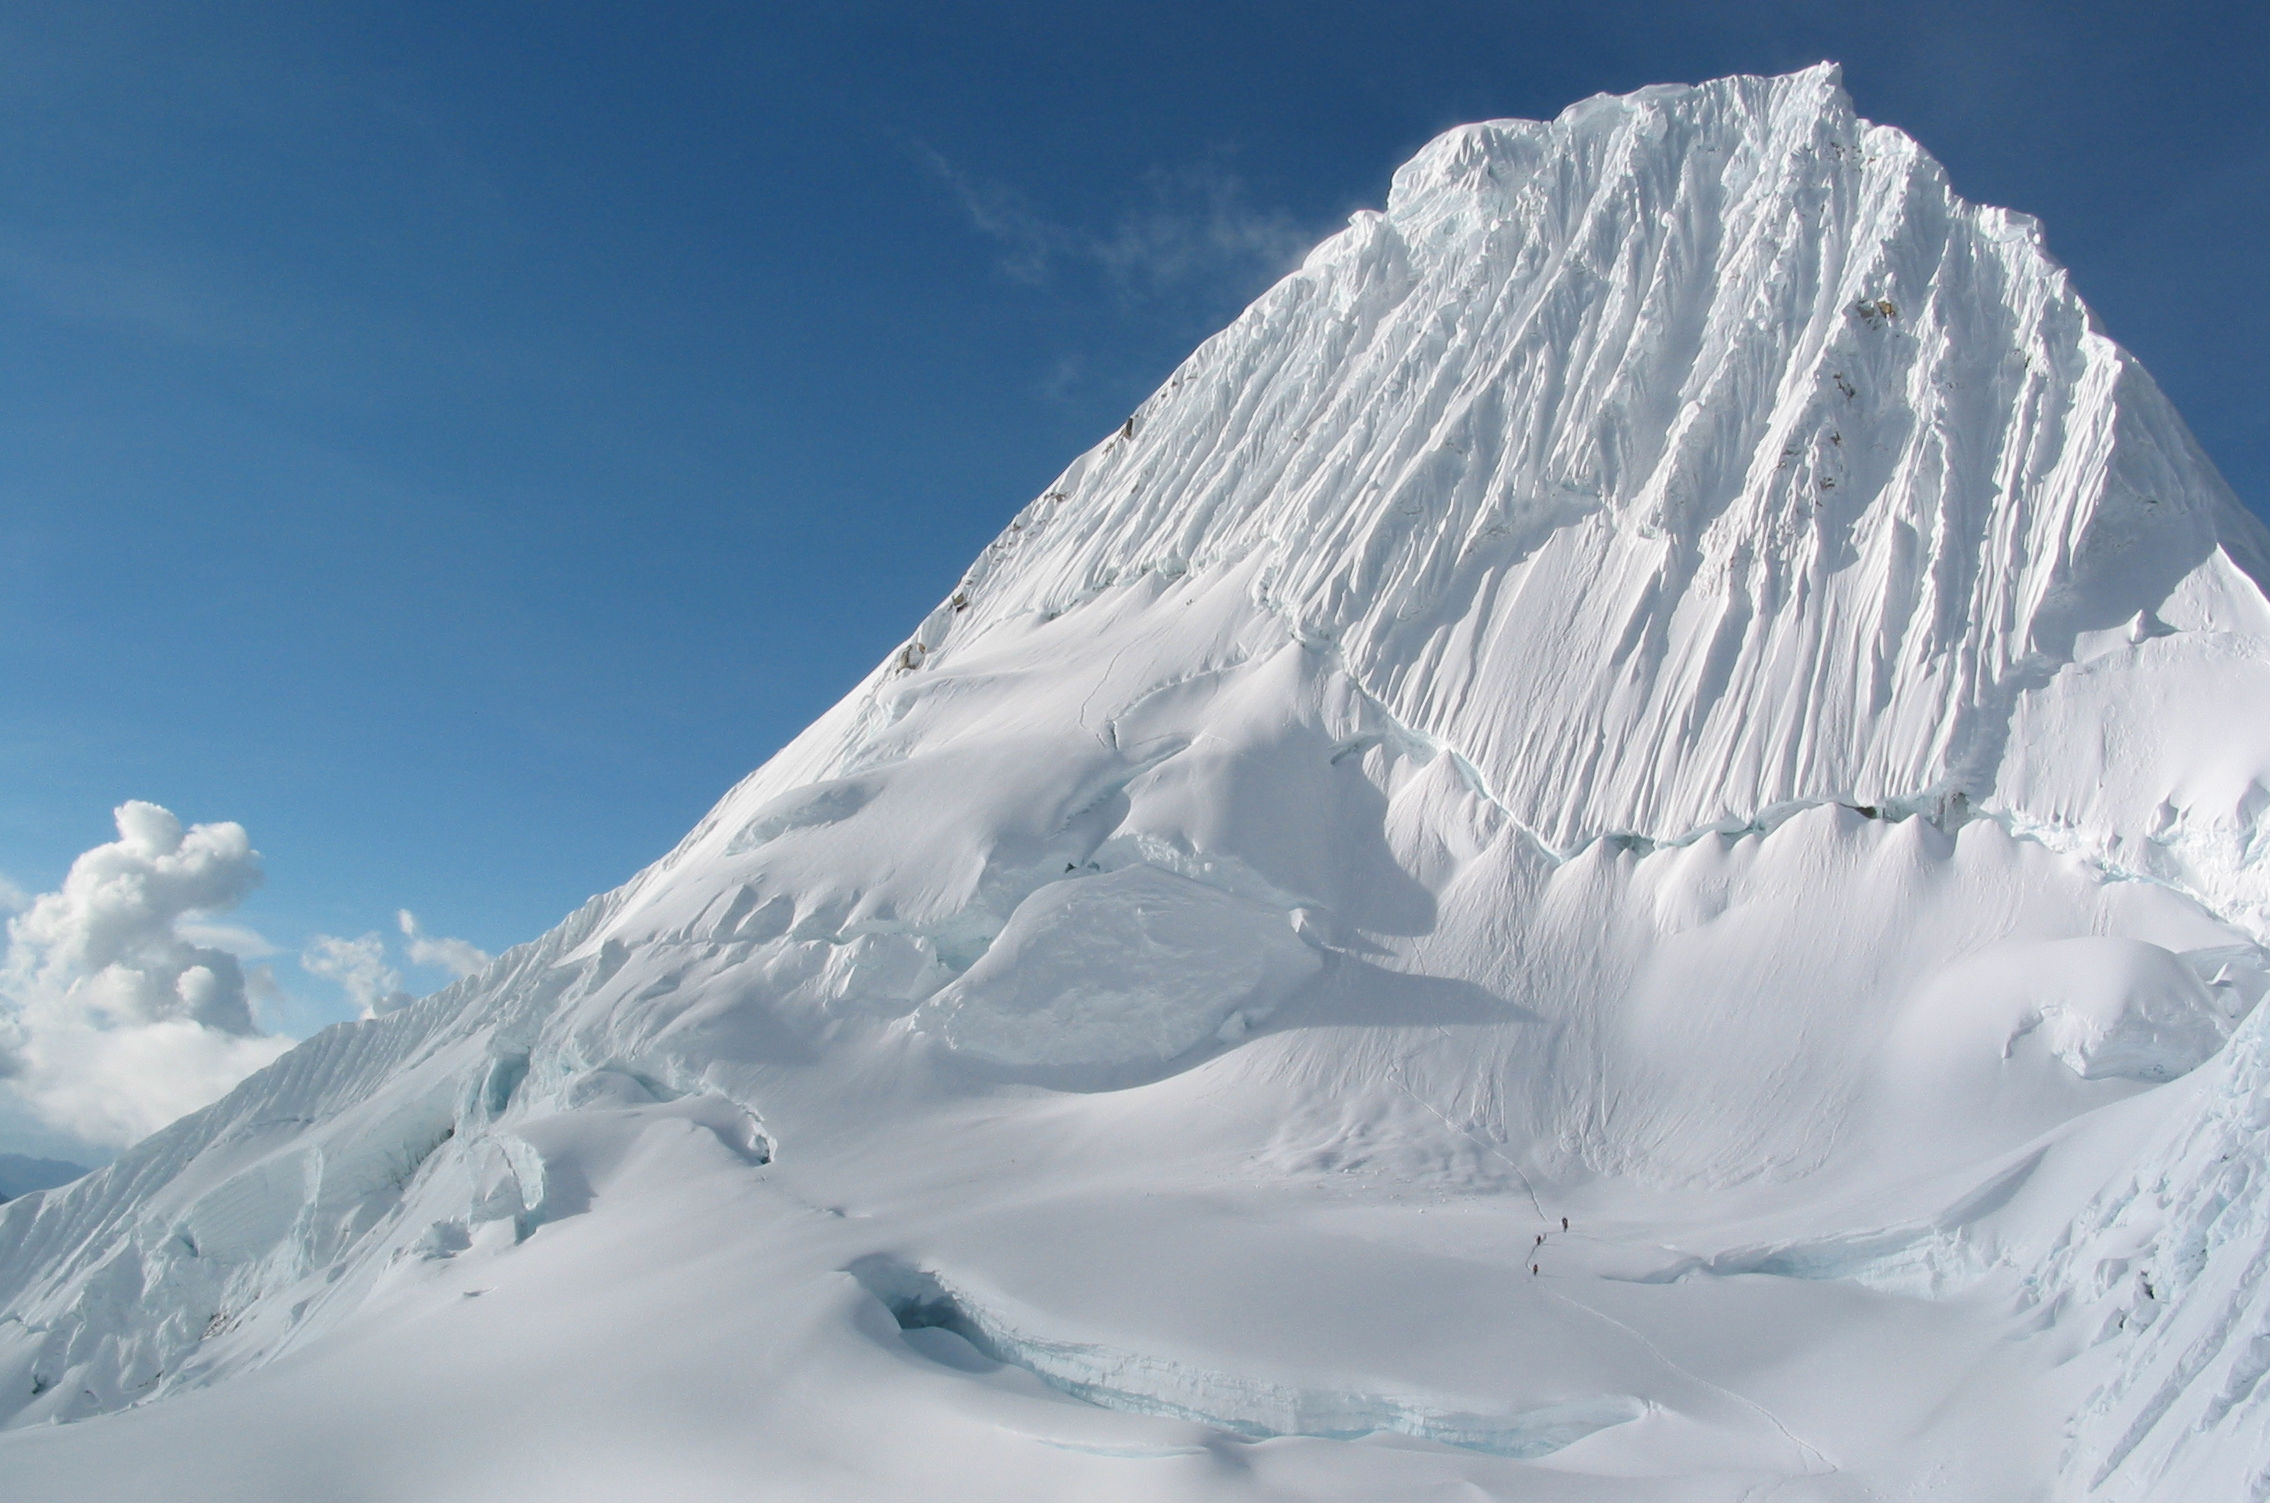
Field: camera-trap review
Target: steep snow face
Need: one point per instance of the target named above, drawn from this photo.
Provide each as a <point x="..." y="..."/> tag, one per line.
<point x="1709" y="418"/>
<point x="1672" y="679"/>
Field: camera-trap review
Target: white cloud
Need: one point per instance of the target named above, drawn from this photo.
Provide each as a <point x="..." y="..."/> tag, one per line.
<point x="459" y="957"/>
<point x="1029" y="240"/>
<point x="1197" y="223"/>
<point x="125" y="1001"/>
<point x="113" y="1087"/>
<point x="1188" y="225"/>
<point x="358" y="965"/>
<point x="116" y="1019"/>
<point x="242" y="942"/>
<point x="371" y="979"/>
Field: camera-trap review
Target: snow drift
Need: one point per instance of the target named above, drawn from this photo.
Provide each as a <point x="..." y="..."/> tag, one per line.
<point x="1615" y="848"/>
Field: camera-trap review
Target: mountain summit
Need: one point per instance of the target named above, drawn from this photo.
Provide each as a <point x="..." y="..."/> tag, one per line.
<point x="1616" y="848"/>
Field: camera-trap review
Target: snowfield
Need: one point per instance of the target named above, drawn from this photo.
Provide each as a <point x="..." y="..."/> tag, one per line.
<point x="1616" y="849"/>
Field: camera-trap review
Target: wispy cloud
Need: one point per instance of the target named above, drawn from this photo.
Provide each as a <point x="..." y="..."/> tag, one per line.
<point x="1184" y="226"/>
<point x="1062" y="379"/>
<point x="242" y="942"/>
<point x="359" y="968"/>
<point x="366" y="971"/>
<point x="461" y="958"/>
<point x="1029" y="240"/>
<point x="1196" y="222"/>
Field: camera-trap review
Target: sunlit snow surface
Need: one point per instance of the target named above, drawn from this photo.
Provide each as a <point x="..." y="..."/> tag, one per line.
<point x="1671" y="679"/>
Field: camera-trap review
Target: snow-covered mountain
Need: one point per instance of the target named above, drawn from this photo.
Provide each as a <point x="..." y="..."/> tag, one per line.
<point x="1617" y="848"/>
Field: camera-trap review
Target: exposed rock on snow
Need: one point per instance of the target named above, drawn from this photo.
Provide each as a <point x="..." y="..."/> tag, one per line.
<point x="1616" y="849"/>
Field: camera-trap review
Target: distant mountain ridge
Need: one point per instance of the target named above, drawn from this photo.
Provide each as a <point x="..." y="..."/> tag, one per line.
<point x="20" y="1174"/>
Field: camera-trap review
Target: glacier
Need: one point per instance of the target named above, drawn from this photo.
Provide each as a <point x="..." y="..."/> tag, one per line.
<point x="1616" y="849"/>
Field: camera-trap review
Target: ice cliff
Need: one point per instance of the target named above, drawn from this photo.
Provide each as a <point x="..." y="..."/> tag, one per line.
<point x="1673" y="678"/>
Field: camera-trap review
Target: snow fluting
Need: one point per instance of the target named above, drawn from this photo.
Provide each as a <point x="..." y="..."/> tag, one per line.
<point x="1615" y="849"/>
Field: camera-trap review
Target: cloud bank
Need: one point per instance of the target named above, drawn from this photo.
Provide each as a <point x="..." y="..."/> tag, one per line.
<point x="114" y="1020"/>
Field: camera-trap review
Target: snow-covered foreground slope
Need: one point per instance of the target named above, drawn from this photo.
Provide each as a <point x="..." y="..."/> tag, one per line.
<point x="1671" y="680"/>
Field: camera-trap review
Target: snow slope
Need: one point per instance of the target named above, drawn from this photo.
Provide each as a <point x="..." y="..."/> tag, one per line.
<point x="1673" y="679"/>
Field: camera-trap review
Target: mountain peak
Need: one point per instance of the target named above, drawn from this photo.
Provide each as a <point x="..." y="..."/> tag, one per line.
<point x="1708" y="414"/>
<point x="1664" y="748"/>
<point x="1470" y="157"/>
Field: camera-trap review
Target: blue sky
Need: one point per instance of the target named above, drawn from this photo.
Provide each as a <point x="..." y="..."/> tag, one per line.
<point x="458" y="441"/>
